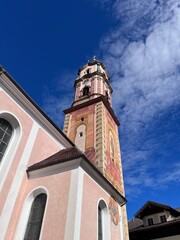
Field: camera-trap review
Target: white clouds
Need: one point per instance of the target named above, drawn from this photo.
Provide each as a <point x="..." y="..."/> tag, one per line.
<point x="143" y="56"/>
<point x="150" y="69"/>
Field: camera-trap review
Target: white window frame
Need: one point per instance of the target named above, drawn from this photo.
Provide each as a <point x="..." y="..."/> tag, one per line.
<point x="105" y="220"/>
<point x="24" y="216"/>
<point x="13" y="144"/>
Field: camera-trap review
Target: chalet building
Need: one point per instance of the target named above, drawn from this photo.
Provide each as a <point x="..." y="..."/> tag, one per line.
<point x="155" y="221"/>
<point x="61" y="185"/>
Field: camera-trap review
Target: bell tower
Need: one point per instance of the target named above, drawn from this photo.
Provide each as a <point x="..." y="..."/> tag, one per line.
<point x="91" y="123"/>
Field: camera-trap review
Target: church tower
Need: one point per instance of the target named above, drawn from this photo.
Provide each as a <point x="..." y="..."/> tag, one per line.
<point x="78" y="194"/>
<point x="91" y="123"/>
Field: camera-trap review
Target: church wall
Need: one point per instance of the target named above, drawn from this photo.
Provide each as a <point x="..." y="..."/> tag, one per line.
<point x="61" y="204"/>
<point x="9" y="106"/>
<point x="56" y="207"/>
<point x="92" y="194"/>
<point x="72" y="197"/>
<point x="44" y="146"/>
<point x="32" y="144"/>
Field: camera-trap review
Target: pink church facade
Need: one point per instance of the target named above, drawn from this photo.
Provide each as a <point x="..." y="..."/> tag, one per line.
<point x="40" y="160"/>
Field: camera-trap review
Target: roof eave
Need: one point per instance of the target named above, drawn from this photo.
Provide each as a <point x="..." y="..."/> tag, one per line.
<point x="87" y="166"/>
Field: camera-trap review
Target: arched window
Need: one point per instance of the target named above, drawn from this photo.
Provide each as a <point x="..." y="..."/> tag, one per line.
<point x="103" y="221"/>
<point x="34" y="224"/>
<point x="98" y="68"/>
<point x="86" y="91"/>
<point x="5" y="136"/>
<point x="100" y="231"/>
<point x="80" y="139"/>
<point x="88" y="71"/>
<point x="10" y="135"/>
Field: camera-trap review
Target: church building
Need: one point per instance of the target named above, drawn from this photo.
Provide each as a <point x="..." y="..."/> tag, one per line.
<point x="61" y="185"/>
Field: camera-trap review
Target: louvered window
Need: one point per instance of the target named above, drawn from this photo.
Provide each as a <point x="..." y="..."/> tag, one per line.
<point x="5" y="136"/>
<point x="86" y="91"/>
<point x="35" y="218"/>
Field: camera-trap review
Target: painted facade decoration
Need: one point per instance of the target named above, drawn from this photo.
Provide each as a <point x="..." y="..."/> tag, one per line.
<point x="114" y="211"/>
<point x="72" y="180"/>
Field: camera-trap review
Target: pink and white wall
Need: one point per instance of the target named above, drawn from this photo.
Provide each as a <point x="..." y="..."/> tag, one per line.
<point x="73" y="196"/>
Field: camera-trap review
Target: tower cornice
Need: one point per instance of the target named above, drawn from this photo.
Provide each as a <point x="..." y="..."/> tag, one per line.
<point x="93" y="101"/>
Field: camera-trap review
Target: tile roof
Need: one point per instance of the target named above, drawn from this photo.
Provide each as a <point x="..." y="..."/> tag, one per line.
<point x="135" y="223"/>
<point x="151" y="207"/>
<point x="65" y="154"/>
<point x="70" y="154"/>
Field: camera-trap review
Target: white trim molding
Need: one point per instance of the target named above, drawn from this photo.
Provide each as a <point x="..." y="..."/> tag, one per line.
<point x="121" y="223"/>
<point x="73" y="224"/>
<point x="14" y="190"/>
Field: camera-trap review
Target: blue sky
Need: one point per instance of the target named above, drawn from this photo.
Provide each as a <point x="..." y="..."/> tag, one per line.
<point x="44" y="43"/>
